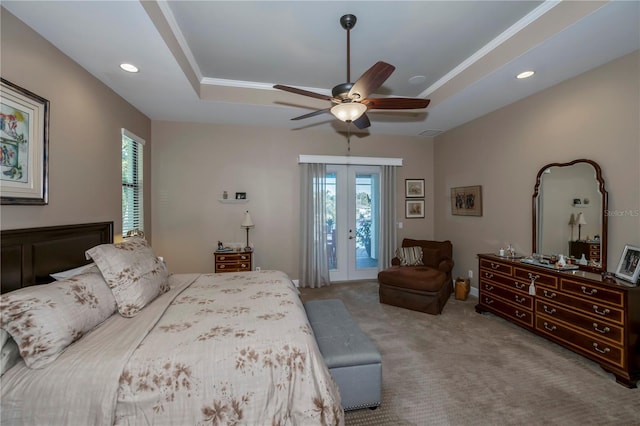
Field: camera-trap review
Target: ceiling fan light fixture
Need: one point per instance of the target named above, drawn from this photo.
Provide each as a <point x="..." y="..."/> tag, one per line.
<point x="349" y="111"/>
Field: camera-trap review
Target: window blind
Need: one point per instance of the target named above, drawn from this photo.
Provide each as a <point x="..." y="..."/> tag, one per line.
<point x="132" y="182"/>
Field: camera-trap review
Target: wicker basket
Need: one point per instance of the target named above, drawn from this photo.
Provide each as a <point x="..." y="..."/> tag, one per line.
<point x="463" y="286"/>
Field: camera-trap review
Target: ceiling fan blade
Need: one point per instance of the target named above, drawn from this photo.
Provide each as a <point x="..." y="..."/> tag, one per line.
<point x="302" y="92"/>
<point x="371" y="80"/>
<point x="312" y="114"/>
<point x="396" y="103"/>
<point x="362" y="122"/>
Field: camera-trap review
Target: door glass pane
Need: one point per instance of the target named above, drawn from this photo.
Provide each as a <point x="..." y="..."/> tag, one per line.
<point x="331" y="185"/>
<point x="366" y="221"/>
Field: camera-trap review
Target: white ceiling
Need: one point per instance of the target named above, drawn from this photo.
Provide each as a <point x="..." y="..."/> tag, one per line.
<point x="216" y="62"/>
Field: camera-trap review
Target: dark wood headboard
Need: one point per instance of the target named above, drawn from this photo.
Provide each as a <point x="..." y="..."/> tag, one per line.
<point x="28" y="256"/>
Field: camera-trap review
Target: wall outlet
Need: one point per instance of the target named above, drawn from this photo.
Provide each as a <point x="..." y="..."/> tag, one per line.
<point x="470" y="273"/>
<point x="257" y="269"/>
<point x="296" y="283"/>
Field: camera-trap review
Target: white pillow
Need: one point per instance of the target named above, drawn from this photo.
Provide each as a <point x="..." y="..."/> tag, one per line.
<point x="63" y="275"/>
<point x="9" y="354"/>
<point x="134" y="274"/>
<point x="45" y="319"/>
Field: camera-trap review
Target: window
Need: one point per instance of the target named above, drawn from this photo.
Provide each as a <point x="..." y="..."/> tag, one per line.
<point x="132" y="187"/>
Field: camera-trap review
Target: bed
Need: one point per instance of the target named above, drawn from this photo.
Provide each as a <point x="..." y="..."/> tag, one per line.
<point x="215" y="349"/>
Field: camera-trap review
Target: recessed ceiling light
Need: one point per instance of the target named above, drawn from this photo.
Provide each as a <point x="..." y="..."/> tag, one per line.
<point x="525" y="74"/>
<point x="129" y="68"/>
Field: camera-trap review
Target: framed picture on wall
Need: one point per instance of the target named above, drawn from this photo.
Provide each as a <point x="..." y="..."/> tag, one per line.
<point x="241" y="195"/>
<point x="466" y="201"/>
<point x="414" y="209"/>
<point x="24" y="145"/>
<point x="414" y="188"/>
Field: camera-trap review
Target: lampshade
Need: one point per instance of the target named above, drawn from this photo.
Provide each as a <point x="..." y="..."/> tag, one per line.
<point x="581" y="220"/>
<point x="247" y="222"/>
<point x="348" y="111"/>
<point x="572" y="219"/>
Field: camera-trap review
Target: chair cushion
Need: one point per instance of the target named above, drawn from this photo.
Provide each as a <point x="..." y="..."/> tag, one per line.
<point x="421" y="278"/>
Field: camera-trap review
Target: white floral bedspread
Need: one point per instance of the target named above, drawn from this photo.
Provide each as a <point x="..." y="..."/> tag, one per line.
<point x="230" y="349"/>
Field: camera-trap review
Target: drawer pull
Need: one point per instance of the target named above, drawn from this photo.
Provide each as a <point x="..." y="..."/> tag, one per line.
<point x="602" y="351"/>
<point x="590" y="292"/>
<point x="221" y="266"/>
<point x="222" y="257"/>
<point x="488" y="287"/>
<point x="519" y="299"/>
<point x="243" y="257"/>
<point x="495" y="266"/>
<point x="550" y="295"/>
<point x="599" y="311"/>
<point x="488" y="275"/>
<point x="550" y="328"/>
<point x="521" y="314"/>
<point x="550" y="311"/>
<point x="244" y="265"/>
<point x="597" y="328"/>
<point x="519" y="286"/>
<point x="488" y="301"/>
<point x="533" y="277"/>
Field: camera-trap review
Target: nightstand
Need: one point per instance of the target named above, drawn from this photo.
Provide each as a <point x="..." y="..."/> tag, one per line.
<point x="233" y="261"/>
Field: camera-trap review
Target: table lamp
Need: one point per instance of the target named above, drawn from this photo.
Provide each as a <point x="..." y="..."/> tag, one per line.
<point x="581" y="221"/>
<point x="247" y="223"/>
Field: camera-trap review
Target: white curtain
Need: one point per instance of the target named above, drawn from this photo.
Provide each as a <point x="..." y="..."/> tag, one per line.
<point x="314" y="266"/>
<point x="387" y="216"/>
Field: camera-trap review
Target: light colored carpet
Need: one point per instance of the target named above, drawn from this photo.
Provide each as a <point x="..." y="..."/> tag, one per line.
<point x="463" y="368"/>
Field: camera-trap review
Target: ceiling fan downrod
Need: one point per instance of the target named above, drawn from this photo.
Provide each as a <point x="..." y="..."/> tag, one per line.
<point x="348" y="21"/>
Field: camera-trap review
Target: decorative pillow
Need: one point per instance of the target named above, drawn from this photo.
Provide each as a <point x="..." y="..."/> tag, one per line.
<point x="9" y="354"/>
<point x="43" y="320"/>
<point x="63" y="275"/>
<point x="409" y="256"/>
<point x="431" y="257"/>
<point x="136" y="276"/>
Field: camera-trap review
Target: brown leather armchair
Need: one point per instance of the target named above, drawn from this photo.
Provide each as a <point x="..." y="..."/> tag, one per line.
<point x="424" y="288"/>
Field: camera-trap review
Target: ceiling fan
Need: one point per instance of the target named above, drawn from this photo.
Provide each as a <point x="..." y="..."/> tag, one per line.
<point x="351" y="100"/>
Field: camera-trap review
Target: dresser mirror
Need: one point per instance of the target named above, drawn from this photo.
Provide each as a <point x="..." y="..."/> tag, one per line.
<point x="569" y="213"/>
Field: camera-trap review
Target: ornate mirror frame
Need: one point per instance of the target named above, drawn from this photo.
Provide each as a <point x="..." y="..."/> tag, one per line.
<point x="604" y="217"/>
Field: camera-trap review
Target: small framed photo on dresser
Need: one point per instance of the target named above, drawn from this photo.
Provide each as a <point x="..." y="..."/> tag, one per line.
<point x="629" y="266"/>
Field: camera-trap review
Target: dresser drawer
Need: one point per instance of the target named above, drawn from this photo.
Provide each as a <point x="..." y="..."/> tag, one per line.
<point x="538" y="277"/>
<point x="234" y="257"/>
<point x="596" y="348"/>
<point x="486" y="275"/>
<point x="521" y="315"/>
<point x="500" y="267"/>
<point x="593" y="309"/>
<point x="599" y="294"/>
<point x="599" y="328"/>
<point x="508" y="295"/>
<point x="233" y="267"/>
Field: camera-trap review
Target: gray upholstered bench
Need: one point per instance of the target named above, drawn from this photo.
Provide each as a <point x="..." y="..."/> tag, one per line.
<point x="352" y="359"/>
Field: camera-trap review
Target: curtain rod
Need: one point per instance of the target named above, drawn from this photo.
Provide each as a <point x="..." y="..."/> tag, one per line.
<point x="348" y="160"/>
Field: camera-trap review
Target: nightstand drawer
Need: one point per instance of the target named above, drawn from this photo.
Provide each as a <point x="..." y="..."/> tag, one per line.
<point x="233" y="262"/>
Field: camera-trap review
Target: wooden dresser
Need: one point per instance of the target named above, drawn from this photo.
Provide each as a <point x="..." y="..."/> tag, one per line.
<point x="233" y="261"/>
<point x="590" y="249"/>
<point x="576" y="309"/>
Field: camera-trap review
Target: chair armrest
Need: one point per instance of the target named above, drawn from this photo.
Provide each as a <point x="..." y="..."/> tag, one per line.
<point x="395" y="261"/>
<point x="446" y="265"/>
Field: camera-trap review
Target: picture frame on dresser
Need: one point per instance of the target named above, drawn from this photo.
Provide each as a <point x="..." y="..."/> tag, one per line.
<point x="24" y="146"/>
<point x="629" y="265"/>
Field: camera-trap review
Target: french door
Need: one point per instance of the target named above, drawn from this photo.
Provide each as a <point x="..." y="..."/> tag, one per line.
<point x="353" y="221"/>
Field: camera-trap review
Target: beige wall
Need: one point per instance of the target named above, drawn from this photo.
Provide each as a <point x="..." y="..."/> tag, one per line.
<point x="194" y="163"/>
<point x="593" y="116"/>
<point x="85" y="122"/>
